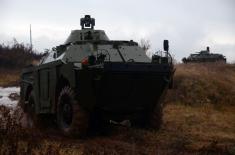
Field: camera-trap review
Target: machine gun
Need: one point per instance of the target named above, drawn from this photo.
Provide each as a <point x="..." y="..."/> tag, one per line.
<point x="87" y="22"/>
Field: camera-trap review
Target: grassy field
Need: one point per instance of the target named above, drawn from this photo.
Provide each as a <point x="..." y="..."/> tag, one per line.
<point x="199" y="118"/>
<point x="9" y="77"/>
<point x="14" y="57"/>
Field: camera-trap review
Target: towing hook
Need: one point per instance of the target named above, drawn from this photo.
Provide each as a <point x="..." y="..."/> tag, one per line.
<point x="125" y="123"/>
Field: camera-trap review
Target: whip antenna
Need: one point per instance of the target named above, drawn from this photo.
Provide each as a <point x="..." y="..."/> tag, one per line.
<point x="30" y="37"/>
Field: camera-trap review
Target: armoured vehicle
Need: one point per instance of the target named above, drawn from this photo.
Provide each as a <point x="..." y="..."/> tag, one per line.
<point x="93" y="80"/>
<point x="204" y="56"/>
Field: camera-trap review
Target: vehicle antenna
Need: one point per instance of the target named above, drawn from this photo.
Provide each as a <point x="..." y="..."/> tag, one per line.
<point x="30" y="37"/>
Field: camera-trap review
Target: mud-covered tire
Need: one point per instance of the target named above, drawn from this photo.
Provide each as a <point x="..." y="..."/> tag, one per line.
<point x="156" y="117"/>
<point x="72" y="119"/>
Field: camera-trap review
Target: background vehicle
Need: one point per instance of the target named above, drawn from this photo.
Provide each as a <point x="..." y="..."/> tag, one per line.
<point x="93" y="79"/>
<point x="205" y="56"/>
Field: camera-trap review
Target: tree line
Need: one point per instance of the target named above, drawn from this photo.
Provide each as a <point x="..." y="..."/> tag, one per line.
<point x="17" y="55"/>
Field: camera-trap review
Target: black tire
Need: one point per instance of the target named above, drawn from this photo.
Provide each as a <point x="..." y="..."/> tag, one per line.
<point x="156" y="118"/>
<point x="72" y="119"/>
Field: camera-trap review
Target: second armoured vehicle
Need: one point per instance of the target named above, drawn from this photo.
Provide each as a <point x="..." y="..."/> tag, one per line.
<point x="92" y="79"/>
<point x="205" y="56"/>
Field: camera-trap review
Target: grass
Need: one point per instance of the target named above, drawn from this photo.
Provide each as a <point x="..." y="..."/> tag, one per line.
<point x="204" y="83"/>
<point x="199" y="118"/>
<point x="186" y="130"/>
<point x="14" y="57"/>
<point x="9" y="77"/>
<point x="203" y="126"/>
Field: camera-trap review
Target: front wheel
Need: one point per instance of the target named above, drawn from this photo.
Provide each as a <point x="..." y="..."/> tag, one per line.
<point x="72" y="119"/>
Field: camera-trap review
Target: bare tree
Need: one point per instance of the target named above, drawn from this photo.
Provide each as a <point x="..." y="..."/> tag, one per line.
<point x="145" y="44"/>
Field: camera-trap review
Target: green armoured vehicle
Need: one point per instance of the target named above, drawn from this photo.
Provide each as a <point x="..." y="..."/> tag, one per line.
<point x="204" y="56"/>
<point x="93" y="80"/>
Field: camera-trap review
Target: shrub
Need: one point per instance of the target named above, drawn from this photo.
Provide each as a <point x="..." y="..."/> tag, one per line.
<point x="17" y="55"/>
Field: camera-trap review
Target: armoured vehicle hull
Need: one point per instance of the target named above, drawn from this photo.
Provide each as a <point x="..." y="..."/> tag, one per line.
<point x="119" y="82"/>
<point x="204" y="56"/>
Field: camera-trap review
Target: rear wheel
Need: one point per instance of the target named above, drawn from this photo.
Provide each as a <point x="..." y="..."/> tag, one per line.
<point x="156" y="117"/>
<point x="72" y="119"/>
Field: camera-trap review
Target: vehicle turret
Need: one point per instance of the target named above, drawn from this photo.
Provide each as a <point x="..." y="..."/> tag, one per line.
<point x="90" y="42"/>
<point x="87" y="33"/>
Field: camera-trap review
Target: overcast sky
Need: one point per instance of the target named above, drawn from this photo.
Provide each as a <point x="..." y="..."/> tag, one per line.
<point x="189" y="25"/>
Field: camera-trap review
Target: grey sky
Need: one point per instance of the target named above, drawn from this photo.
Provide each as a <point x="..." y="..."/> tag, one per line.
<point x="189" y="25"/>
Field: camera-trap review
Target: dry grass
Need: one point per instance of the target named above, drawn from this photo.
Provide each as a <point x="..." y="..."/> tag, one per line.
<point x="13" y="58"/>
<point x="203" y="126"/>
<point x="9" y="77"/>
<point x="186" y="130"/>
<point x="199" y="118"/>
<point x="204" y="83"/>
